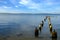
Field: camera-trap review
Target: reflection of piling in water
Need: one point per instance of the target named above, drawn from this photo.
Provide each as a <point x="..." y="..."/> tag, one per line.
<point x="36" y="32"/>
<point x="4" y="38"/>
<point x="54" y="38"/>
<point x="54" y="34"/>
<point x="18" y="35"/>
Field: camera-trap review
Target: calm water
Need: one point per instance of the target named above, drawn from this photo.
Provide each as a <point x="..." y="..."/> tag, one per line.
<point x="25" y="24"/>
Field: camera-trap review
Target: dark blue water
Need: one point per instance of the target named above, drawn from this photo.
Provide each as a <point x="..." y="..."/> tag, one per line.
<point x="25" y="24"/>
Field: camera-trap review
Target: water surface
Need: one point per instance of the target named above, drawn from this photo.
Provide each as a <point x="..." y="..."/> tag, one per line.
<point x="11" y="25"/>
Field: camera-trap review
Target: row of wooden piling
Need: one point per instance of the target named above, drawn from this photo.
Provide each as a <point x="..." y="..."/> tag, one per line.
<point x="39" y="28"/>
<point x="42" y="24"/>
<point x="54" y="33"/>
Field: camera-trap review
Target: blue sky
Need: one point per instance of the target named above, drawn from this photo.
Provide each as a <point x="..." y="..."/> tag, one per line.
<point x="29" y="6"/>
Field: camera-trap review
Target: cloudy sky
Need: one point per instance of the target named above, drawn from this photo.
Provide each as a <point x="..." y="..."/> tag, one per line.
<point x="29" y="6"/>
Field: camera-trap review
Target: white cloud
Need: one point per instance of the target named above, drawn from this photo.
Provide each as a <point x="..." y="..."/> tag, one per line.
<point x="6" y="7"/>
<point x="39" y="7"/>
<point x="16" y="6"/>
<point x="25" y="2"/>
<point x="10" y="10"/>
<point x="34" y="6"/>
<point x="30" y="4"/>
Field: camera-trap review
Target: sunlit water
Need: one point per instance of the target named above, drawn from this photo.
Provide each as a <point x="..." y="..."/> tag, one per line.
<point x="12" y="25"/>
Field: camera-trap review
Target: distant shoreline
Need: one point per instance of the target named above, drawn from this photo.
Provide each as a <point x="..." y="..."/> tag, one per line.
<point x="28" y="14"/>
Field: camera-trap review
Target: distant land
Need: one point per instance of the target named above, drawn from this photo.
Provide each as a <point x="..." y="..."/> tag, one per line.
<point x="29" y="14"/>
